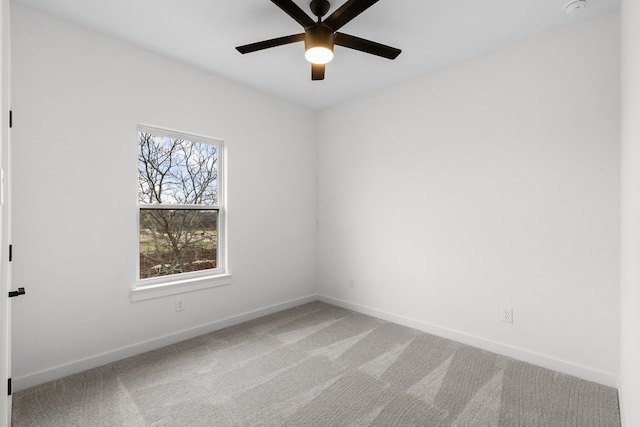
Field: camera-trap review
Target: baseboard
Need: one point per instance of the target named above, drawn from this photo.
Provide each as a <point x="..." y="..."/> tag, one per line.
<point x="621" y="404"/>
<point x="22" y="383"/>
<point x="538" y="359"/>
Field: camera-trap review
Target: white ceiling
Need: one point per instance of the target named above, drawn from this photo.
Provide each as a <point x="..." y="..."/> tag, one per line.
<point x="433" y="34"/>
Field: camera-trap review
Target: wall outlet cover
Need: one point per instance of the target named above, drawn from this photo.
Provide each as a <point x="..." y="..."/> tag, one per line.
<point x="506" y="314"/>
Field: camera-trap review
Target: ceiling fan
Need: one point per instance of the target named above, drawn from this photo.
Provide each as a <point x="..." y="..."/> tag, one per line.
<point x="320" y="36"/>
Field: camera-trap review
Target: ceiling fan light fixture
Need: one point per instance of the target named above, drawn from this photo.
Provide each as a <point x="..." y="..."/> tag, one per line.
<point x="318" y="45"/>
<point x="319" y="55"/>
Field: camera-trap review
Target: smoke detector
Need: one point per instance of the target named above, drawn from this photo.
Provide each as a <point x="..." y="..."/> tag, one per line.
<point x="575" y="6"/>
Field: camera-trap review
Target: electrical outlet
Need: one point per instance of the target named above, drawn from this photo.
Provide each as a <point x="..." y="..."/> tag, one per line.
<point x="506" y="314"/>
<point x="179" y="303"/>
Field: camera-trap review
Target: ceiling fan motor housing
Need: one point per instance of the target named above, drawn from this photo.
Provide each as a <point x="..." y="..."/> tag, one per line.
<point x="318" y="36"/>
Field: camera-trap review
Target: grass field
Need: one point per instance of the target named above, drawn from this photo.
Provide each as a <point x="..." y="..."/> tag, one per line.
<point x="198" y="253"/>
<point x="203" y="239"/>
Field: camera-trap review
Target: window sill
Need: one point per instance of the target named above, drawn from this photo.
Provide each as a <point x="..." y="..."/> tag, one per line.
<point x="143" y="293"/>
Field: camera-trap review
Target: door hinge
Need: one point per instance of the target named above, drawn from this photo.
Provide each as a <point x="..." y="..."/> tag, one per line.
<point x="10" y="119"/>
<point x="9" y="387"/>
<point x="10" y="253"/>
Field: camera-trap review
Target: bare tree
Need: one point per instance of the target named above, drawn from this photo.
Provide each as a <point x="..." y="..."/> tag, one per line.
<point x="178" y="183"/>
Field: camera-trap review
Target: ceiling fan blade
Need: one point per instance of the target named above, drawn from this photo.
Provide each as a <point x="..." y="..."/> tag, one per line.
<point x="347" y="12"/>
<point x="266" y="44"/>
<point x="317" y="71"/>
<point x="294" y="11"/>
<point x="367" y="46"/>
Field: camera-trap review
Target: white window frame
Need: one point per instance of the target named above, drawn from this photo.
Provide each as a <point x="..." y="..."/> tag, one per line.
<point x="157" y="287"/>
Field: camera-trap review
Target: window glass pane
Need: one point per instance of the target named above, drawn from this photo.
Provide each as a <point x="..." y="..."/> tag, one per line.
<point x="174" y="241"/>
<point x="176" y="171"/>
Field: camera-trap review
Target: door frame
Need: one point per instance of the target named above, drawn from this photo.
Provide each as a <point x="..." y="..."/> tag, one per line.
<point x="5" y="230"/>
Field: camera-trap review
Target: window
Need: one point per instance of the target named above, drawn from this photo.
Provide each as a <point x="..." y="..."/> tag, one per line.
<point x="180" y="206"/>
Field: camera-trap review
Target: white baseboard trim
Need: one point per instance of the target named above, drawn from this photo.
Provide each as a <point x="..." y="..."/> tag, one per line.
<point x="24" y="382"/>
<point x="621" y="404"/>
<point x="586" y="373"/>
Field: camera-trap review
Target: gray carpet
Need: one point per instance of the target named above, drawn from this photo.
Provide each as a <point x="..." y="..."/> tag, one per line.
<point x="317" y="365"/>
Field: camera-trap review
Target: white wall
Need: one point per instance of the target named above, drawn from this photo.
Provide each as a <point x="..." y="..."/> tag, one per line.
<point x="492" y="183"/>
<point x="78" y="97"/>
<point x="630" y="294"/>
